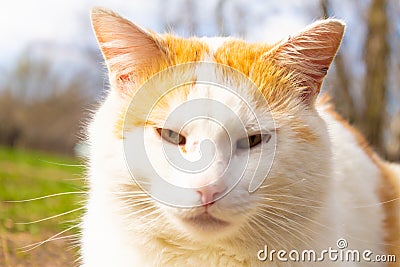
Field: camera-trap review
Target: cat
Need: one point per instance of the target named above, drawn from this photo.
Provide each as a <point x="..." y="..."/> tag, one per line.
<point x="320" y="185"/>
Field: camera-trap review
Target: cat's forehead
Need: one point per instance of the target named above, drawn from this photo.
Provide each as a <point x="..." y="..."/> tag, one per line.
<point x="250" y="60"/>
<point x="217" y="86"/>
<point x="196" y="95"/>
<point x="202" y="106"/>
<point x="228" y="51"/>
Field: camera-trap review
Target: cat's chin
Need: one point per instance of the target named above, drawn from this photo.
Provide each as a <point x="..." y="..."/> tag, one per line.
<point x="205" y="222"/>
<point x="205" y="226"/>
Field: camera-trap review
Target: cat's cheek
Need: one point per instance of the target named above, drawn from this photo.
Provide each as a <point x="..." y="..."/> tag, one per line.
<point x="169" y="198"/>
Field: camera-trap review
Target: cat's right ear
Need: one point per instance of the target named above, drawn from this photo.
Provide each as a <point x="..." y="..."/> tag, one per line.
<point x="130" y="52"/>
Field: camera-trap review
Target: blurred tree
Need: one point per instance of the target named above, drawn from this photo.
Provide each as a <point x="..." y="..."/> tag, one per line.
<point x="190" y="18"/>
<point x="372" y="117"/>
<point x="185" y="19"/>
<point x="219" y="13"/>
<point x="341" y="93"/>
<point x="393" y="146"/>
<point x="10" y="128"/>
<point x="42" y="107"/>
<point x="376" y="54"/>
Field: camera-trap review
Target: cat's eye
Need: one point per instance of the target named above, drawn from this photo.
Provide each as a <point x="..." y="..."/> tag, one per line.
<point x="171" y="136"/>
<point x="252" y="140"/>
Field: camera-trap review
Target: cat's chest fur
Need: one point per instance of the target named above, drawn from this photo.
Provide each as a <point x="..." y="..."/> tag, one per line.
<point x="316" y="181"/>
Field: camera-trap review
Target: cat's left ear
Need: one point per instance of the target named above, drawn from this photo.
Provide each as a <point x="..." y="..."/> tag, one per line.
<point x="310" y="53"/>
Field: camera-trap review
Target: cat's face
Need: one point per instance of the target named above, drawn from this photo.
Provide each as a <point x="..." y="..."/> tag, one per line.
<point x="222" y="134"/>
<point x="210" y="142"/>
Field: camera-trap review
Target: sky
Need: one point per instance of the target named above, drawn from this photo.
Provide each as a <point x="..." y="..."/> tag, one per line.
<point x="23" y="22"/>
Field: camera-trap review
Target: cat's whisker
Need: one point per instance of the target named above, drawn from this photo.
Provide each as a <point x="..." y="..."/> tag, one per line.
<point x="130" y="196"/>
<point x="27" y="248"/>
<point x="329" y="228"/>
<point x="51" y="217"/>
<point x="375" y="204"/>
<point x="147" y="224"/>
<point x="38" y="244"/>
<point x="137" y="212"/>
<point x="301" y="237"/>
<point x="150" y="222"/>
<point x="48" y="196"/>
<point x="131" y="193"/>
<point x="269" y="184"/>
<point x="62" y="164"/>
<point x="150" y="214"/>
<point x="304" y="227"/>
<point x="122" y="192"/>
<point x="129" y="204"/>
<point x="301" y="216"/>
<point x="134" y="201"/>
<point x="273" y="236"/>
<point x="272" y="197"/>
<point x="135" y="207"/>
<point x="249" y="228"/>
<point x="297" y="204"/>
<point x="312" y="207"/>
<point x="284" y="227"/>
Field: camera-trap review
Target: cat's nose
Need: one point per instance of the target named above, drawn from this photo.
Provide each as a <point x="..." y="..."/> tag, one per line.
<point x="210" y="193"/>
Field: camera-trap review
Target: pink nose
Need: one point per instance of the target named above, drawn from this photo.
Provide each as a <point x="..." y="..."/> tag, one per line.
<point x="208" y="194"/>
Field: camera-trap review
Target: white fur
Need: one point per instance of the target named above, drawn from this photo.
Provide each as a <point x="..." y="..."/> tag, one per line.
<point x="213" y="44"/>
<point x="319" y="188"/>
<point x="345" y="177"/>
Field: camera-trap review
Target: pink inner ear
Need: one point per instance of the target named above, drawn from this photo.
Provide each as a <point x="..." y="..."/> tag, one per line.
<point x="128" y="49"/>
<point x="124" y="77"/>
<point x="310" y="53"/>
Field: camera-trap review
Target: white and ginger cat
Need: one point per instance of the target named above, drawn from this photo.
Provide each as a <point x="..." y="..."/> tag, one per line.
<point x="325" y="184"/>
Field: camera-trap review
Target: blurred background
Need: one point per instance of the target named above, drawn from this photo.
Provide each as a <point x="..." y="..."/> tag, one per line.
<point x="52" y="75"/>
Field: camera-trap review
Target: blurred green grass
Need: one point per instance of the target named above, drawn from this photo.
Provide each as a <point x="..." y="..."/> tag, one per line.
<point x="30" y="174"/>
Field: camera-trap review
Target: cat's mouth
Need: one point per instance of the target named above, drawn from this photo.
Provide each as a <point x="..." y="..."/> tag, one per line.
<point x="206" y="221"/>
